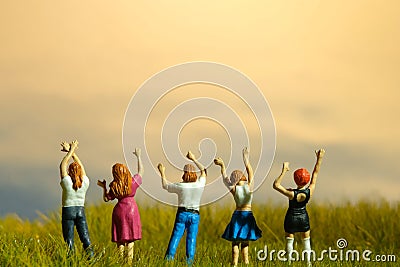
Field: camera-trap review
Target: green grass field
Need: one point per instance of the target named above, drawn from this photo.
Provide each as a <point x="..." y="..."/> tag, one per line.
<point x="365" y="226"/>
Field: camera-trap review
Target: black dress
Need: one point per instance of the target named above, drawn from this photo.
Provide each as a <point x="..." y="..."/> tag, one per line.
<point x="296" y="219"/>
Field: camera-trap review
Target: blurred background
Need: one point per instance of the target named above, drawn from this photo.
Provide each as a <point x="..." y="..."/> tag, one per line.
<point x="328" y="69"/>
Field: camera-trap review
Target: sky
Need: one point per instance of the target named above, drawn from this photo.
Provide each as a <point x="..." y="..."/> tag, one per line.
<point x="328" y="70"/>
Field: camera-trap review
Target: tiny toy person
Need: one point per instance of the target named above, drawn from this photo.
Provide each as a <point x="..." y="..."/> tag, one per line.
<point x="187" y="218"/>
<point x="296" y="219"/>
<point x="242" y="227"/>
<point x="74" y="184"/>
<point x="126" y="226"/>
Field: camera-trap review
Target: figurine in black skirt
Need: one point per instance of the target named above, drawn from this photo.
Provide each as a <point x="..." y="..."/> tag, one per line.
<point x="296" y="219"/>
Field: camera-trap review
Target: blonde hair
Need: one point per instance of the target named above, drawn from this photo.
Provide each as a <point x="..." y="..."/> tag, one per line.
<point x="237" y="176"/>
<point x="75" y="172"/>
<point x="121" y="186"/>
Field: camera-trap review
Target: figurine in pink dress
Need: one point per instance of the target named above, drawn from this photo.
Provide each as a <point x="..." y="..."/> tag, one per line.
<point x="126" y="226"/>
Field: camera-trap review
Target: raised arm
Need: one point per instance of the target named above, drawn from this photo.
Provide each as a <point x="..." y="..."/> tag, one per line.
<point x="191" y="156"/>
<point x="220" y="162"/>
<point x="66" y="147"/>
<point x="320" y="154"/>
<point x="277" y="183"/>
<point x="164" y="181"/>
<point x="138" y="153"/>
<point x="67" y="157"/>
<point x="103" y="185"/>
<point x="247" y="164"/>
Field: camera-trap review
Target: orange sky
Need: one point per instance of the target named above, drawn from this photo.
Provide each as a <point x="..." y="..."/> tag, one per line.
<point x="329" y="70"/>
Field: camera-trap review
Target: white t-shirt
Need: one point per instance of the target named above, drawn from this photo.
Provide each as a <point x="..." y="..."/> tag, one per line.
<point x="70" y="197"/>
<point x="189" y="194"/>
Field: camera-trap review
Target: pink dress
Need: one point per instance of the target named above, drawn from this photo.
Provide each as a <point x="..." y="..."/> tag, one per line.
<point x="126" y="226"/>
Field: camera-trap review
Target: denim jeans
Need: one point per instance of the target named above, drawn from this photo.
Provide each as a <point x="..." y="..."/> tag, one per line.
<point x="184" y="221"/>
<point x="72" y="216"/>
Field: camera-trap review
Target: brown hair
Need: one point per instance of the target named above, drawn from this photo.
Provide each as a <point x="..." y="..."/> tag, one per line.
<point x="121" y="186"/>
<point x="189" y="177"/>
<point x="237" y="176"/>
<point x="75" y="172"/>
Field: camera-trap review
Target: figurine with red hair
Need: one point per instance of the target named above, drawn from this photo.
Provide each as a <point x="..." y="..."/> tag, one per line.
<point x="296" y="219"/>
<point x="126" y="226"/>
<point x="74" y="184"/>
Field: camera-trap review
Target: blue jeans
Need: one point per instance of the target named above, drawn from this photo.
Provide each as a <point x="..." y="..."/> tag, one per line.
<point x="72" y="216"/>
<point x="184" y="221"/>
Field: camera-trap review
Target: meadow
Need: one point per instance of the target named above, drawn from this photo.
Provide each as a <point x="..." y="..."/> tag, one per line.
<point x="372" y="226"/>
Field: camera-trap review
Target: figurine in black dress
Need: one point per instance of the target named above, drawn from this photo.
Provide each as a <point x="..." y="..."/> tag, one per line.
<point x="296" y="219"/>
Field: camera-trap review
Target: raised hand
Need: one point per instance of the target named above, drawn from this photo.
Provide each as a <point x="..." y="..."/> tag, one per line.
<point x="218" y="161"/>
<point x="161" y="168"/>
<point x="102" y="184"/>
<point x="320" y="153"/>
<point x="190" y="155"/>
<point x="65" y="146"/>
<point x="285" y="167"/>
<point x="137" y="152"/>
<point x="245" y="154"/>
<point x="74" y="144"/>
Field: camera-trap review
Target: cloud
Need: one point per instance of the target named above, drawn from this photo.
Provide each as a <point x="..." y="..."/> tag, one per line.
<point x="329" y="71"/>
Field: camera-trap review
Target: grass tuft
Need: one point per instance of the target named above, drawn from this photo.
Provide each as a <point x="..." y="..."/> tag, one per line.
<point x="365" y="226"/>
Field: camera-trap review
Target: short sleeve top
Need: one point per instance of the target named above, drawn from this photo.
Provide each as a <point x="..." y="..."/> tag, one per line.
<point x="136" y="182"/>
<point x="189" y="194"/>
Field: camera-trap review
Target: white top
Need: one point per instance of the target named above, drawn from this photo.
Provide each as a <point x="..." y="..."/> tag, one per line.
<point x="70" y="197"/>
<point x="189" y="194"/>
<point x="243" y="196"/>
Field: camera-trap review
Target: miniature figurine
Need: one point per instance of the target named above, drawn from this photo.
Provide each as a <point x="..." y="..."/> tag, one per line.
<point x="74" y="183"/>
<point x="126" y="225"/>
<point x="187" y="218"/>
<point x="243" y="227"/>
<point x="296" y="219"/>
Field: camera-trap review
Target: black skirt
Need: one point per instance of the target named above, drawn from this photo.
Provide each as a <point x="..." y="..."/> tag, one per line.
<point x="296" y="220"/>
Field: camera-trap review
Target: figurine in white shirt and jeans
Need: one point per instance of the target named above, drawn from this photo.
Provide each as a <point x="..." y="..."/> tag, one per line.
<point x="187" y="218"/>
<point x="74" y="183"/>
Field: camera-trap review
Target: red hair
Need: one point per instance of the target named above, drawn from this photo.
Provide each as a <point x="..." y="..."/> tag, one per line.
<point x="75" y="172"/>
<point x="121" y="186"/>
<point x="301" y="177"/>
<point x="189" y="177"/>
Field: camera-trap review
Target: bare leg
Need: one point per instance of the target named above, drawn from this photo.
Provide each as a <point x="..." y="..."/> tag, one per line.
<point x="235" y="253"/>
<point x="121" y="248"/>
<point x="245" y="252"/>
<point x="130" y="252"/>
